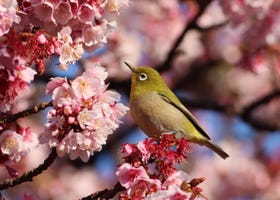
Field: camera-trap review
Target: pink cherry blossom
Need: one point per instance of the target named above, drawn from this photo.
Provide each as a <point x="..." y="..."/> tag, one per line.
<point x="136" y="180"/>
<point x="129" y="175"/>
<point x="173" y="192"/>
<point x="145" y="151"/>
<point x="64" y="95"/>
<point x="84" y="114"/>
<point x="87" y="86"/>
<point x="11" y="144"/>
<point x="144" y="173"/>
<point x="16" y="145"/>
<point x="7" y="15"/>
<point x="54" y="83"/>
<point x="13" y="82"/>
<point x="176" y="179"/>
<point x="115" y="5"/>
<point x="63" y="9"/>
<point x="86" y="20"/>
<point x="70" y="51"/>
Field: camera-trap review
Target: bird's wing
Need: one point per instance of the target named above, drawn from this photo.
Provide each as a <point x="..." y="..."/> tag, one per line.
<point x="187" y="113"/>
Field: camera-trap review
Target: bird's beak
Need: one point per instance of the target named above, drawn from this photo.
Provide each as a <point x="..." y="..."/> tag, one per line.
<point x="130" y="67"/>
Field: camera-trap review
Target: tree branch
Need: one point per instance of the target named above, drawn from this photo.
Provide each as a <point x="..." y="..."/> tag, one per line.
<point x="105" y="194"/>
<point x="35" y="109"/>
<point x="189" y="25"/>
<point x="28" y="176"/>
<point x="212" y="27"/>
<point x="245" y="114"/>
<point x="259" y="102"/>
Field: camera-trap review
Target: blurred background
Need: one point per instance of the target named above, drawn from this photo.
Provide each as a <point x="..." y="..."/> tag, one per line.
<point x="222" y="60"/>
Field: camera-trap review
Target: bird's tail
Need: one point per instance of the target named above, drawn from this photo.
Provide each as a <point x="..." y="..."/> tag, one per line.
<point x="215" y="147"/>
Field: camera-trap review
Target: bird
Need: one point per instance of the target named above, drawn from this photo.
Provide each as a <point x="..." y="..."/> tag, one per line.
<point x="157" y="110"/>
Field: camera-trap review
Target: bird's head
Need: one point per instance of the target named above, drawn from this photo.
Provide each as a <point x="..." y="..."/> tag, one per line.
<point x="145" y="79"/>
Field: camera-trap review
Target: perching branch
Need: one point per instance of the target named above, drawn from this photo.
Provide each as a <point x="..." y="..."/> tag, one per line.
<point x="28" y="176"/>
<point x="35" y="109"/>
<point x="189" y="25"/>
<point x="105" y="194"/>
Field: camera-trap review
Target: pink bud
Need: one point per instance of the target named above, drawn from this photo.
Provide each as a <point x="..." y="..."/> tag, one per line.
<point x="52" y="112"/>
<point x="67" y="110"/>
<point x="71" y="120"/>
<point x="42" y="39"/>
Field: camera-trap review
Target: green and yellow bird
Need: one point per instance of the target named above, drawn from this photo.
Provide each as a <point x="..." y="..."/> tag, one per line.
<point x="156" y="110"/>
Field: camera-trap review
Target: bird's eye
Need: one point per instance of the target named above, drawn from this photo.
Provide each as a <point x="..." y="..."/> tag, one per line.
<point x="143" y="77"/>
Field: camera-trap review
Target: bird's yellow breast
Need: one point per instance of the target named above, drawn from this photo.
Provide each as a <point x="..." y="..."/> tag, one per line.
<point x="155" y="116"/>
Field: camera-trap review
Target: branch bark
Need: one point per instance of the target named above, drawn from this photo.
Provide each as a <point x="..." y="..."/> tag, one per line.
<point x="28" y="176"/>
<point x="105" y="194"/>
<point x="189" y="25"/>
<point x="245" y="114"/>
<point x="35" y="109"/>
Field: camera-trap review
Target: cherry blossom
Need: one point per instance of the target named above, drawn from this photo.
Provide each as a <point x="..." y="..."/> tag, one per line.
<point x="149" y="170"/>
<point x="84" y="113"/>
<point x="14" y="145"/>
<point x="8" y="15"/>
<point x="13" y="82"/>
<point x="115" y="5"/>
<point x="83" y="22"/>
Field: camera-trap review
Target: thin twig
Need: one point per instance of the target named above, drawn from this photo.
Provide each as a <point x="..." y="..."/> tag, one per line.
<point x="28" y="176"/>
<point x="105" y="194"/>
<point x="35" y="109"/>
<point x="189" y="25"/>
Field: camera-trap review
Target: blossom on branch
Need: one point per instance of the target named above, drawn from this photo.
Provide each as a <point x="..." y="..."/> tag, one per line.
<point x="82" y="23"/>
<point x="8" y="15"/>
<point x="18" y="53"/>
<point x="249" y="20"/>
<point x="84" y="113"/>
<point x="14" y="145"/>
<point x="149" y="170"/>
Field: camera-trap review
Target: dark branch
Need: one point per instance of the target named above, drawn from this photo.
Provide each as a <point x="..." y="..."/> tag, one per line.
<point x="28" y="176"/>
<point x="189" y="25"/>
<point x="105" y="194"/>
<point x="247" y="112"/>
<point x="35" y="109"/>
<point x="212" y="27"/>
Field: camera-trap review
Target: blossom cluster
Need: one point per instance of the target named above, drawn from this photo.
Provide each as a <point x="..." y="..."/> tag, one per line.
<point x="33" y="31"/>
<point x="19" y="51"/>
<point x="149" y="170"/>
<point x="250" y="20"/>
<point x="84" y="21"/>
<point x="8" y="15"/>
<point x="84" y="113"/>
<point x="14" y="145"/>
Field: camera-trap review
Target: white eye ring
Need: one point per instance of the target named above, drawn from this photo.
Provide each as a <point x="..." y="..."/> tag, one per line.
<point x="142" y="76"/>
